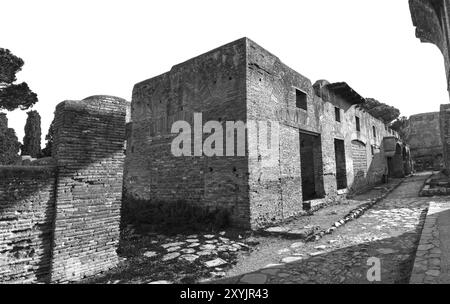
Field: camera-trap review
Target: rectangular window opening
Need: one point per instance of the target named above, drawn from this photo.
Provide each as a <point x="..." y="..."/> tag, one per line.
<point x="301" y="100"/>
<point x="337" y="114"/>
<point x="358" y="126"/>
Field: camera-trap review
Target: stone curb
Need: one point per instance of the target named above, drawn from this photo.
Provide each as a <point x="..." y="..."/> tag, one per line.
<point x="427" y="262"/>
<point x="352" y="215"/>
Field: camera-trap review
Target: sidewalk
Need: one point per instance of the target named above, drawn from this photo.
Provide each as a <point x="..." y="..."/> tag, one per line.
<point x="432" y="261"/>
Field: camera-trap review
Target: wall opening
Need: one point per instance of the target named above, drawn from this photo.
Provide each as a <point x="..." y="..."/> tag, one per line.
<point x="337" y="114"/>
<point x="301" y="100"/>
<point x="311" y="166"/>
<point x="341" y="169"/>
<point x="358" y="125"/>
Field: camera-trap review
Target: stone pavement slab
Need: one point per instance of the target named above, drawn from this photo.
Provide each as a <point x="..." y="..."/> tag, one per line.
<point x="433" y="253"/>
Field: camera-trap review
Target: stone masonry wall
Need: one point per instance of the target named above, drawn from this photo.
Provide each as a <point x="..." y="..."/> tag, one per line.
<point x="276" y="190"/>
<point x="425" y="141"/>
<point x="444" y="125"/>
<point x="27" y="204"/>
<point x="432" y="21"/>
<point x="89" y="153"/>
<point x="212" y="84"/>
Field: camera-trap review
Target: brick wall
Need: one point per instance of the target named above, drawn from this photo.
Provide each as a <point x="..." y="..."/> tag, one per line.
<point x="89" y="153"/>
<point x="212" y="84"/>
<point x="425" y="141"/>
<point x="3" y="121"/>
<point x="242" y="81"/>
<point x="26" y="220"/>
<point x="271" y="89"/>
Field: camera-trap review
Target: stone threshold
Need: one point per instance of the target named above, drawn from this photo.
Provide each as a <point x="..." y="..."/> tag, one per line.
<point x="432" y="255"/>
<point x="310" y="234"/>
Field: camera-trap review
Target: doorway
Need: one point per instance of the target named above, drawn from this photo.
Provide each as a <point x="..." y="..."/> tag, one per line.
<point x="341" y="168"/>
<point x="311" y="166"/>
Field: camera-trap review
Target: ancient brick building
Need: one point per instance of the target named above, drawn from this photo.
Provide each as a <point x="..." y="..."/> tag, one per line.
<point x="325" y="143"/>
<point x="432" y="21"/>
<point x="59" y="218"/>
<point x="425" y="142"/>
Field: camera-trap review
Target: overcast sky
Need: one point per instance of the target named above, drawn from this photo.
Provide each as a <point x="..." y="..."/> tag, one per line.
<point x="75" y="49"/>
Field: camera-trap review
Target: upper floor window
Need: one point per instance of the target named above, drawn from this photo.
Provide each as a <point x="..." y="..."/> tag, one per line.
<point x="358" y="126"/>
<point x="374" y="131"/>
<point x="337" y="114"/>
<point x="301" y="100"/>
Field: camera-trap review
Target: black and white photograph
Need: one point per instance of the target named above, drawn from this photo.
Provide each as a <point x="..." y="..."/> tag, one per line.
<point x="204" y="144"/>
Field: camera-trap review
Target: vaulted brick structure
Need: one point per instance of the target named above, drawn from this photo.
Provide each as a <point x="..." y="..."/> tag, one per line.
<point x="432" y="21"/>
<point x="325" y="142"/>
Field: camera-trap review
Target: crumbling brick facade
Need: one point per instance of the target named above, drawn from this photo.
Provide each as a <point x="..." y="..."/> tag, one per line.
<point x="241" y="81"/>
<point x="60" y="222"/>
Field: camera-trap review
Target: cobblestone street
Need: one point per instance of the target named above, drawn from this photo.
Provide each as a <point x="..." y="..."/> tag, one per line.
<point x="389" y="231"/>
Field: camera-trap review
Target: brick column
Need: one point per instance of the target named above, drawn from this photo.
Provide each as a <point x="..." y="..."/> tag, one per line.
<point x="444" y="124"/>
<point x="89" y="152"/>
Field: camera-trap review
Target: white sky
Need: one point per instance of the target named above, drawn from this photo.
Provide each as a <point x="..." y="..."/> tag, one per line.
<point x="75" y="49"/>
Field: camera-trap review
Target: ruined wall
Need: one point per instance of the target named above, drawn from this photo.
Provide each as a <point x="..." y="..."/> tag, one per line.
<point x="425" y="142"/>
<point x="212" y="84"/>
<point x="27" y="202"/>
<point x="275" y="183"/>
<point x="276" y="187"/>
<point x="89" y="152"/>
<point x="444" y="126"/>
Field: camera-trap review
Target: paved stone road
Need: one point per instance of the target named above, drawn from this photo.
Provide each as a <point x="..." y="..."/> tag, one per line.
<point x="390" y="232"/>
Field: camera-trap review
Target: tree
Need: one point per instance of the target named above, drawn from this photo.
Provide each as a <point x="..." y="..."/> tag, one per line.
<point x="9" y="144"/>
<point x="47" y="151"/>
<point x="32" y="139"/>
<point x="401" y="126"/>
<point x="13" y="96"/>
<point x="380" y="110"/>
